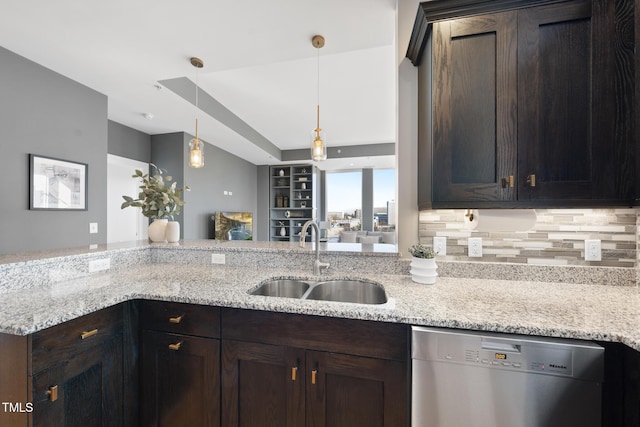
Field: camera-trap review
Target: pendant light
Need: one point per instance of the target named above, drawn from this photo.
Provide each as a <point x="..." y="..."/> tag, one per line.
<point x="318" y="147"/>
<point x="196" y="147"/>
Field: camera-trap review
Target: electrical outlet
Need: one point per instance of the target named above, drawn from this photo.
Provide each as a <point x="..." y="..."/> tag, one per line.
<point x="93" y="227"/>
<point x="592" y="250"/>
<point x="475" y="247"/>
<point x="440" y="245"/>
<point x="99" y="265"/>
<point x="218" y="259"/>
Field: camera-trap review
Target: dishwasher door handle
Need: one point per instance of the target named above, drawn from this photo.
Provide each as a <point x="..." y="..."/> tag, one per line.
<point x="500" y="346"/>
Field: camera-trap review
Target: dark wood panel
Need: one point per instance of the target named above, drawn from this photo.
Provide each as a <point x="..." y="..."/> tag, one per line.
<point x="198" y="320"/>
<point x="89" y="386"/>
<point x="355" y="391"/>
<point x="474" y="108"/>
<point x="258" y="386"/>
<point x="636" y="103"/>
<point x="63" y="341"/>
<point x="554" y="101"/>
<point x="358" y="337"/>
<point x="15" y="386"/>
<point x="130" y="371"/>
<point x="179" y="387"/>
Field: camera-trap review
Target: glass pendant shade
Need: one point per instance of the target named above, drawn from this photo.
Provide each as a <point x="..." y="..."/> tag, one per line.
<point x="196" y="151"/>
<point x="318" y="147"/>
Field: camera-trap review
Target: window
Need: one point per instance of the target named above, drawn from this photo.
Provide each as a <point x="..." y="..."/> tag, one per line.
<point x="344" y="201"/>
<point x="384" y="199"/>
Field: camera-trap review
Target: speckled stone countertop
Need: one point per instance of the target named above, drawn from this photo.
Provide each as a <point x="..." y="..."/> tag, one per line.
<point x="594" y="312"/>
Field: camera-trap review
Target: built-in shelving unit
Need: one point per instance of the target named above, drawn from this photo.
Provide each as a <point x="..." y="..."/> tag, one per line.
<point x="292" y="200"/>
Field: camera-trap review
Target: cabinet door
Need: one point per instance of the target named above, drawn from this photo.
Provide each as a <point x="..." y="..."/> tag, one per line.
<point x="474" y="109"/>
<point x="345" y="391"/>
<point x="179" y="380"/>
<point x="555" y="102"/>
<point x="85" y="390"/>
<point x="262" y="385"/>
<point x="575" y="106"/>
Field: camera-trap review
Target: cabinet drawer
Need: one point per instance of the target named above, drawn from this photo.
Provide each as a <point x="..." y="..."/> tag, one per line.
<point x="179" y="318"/>
<point x="356" y="337"/>
<point x="64" y="341"/>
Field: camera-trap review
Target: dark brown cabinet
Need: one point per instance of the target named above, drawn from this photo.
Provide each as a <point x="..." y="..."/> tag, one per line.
<point x="532" y="106"/>
<point x="281" y="369"/>
<point x="179" y="365"/>
<point x="347" y="390"/>
<point x="262" y="385"/>
<point x="74" y="374"/>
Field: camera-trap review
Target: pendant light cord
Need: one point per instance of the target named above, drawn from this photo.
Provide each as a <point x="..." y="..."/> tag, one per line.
<point x="318" y="88"/>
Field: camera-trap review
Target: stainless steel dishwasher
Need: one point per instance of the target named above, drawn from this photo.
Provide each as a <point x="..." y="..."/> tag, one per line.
<point x="464" y="378"/>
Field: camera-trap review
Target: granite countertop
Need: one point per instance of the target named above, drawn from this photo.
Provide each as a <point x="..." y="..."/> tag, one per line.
<point x="594" y="312"/>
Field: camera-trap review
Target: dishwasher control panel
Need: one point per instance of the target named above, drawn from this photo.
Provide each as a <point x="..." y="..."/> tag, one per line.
<point x="523" y="357"/>
<point x="551" y="356"/>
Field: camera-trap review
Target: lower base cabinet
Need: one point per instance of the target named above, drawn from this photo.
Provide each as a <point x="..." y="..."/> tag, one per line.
<point x="179" y="365"/>
<point x="355" y="391"/>
<point x="268" y="379"/>
<point x="179" y="380"/>
<point x="78" y="373"/>
<point x="83" y="391"/>
<point x="262" y="385"/>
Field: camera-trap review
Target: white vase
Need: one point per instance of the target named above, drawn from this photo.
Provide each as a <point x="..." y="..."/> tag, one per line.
<point x="157" y="230"/>
<point x="172" y="232"/>
<point x="423" y="270"/>
<point x="283" y="232"/>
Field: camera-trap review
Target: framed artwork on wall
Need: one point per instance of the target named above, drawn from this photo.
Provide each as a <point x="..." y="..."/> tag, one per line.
<point x="233" y="225"/>
<point x="56" y="184"/>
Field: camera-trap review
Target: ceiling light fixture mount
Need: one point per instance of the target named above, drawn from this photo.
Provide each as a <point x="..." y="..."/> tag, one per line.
<point x="318" y="147"/>
<point x="196" y="147"/>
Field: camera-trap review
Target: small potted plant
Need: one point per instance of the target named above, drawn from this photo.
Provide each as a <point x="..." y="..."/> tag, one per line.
<point x="159" y="199"/>
<point x="423" y="264"/>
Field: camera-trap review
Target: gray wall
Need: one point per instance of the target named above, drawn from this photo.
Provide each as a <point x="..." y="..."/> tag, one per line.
<point x="222" y="172"/>
<point x="127" y="142"/>
<point x="42" y="112"/>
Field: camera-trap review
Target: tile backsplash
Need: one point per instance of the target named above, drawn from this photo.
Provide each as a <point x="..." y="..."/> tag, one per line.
<point x="557" y="237"/>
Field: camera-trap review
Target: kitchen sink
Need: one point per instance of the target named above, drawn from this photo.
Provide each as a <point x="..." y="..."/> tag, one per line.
<point x="357" y="291"/>
<point x="354" y="291"/>
<point x="288" y="288"/>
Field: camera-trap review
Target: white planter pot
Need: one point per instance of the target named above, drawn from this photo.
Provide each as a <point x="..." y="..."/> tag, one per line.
<point x="157" y="230"/>
<point x="172" y="232"/>
<point x="423" y="270"/>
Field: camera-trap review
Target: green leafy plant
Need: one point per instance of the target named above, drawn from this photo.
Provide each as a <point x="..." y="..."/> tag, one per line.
<point x="421" y="251"/>
<point x="159" y="198"/>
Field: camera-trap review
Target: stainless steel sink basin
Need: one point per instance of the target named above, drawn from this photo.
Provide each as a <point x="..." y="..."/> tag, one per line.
<point x="288" y="288"/>
<point x="348" y="291"/>
<point x="354" y="291"/>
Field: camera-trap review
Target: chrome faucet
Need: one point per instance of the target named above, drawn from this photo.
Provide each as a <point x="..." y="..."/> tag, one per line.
<point x="317" y="265"/>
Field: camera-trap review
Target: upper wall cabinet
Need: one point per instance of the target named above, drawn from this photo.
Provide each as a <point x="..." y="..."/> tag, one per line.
<point x="526" y="104"/>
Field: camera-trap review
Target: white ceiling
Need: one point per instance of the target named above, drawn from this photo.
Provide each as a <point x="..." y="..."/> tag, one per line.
<point x="259" y="63"/>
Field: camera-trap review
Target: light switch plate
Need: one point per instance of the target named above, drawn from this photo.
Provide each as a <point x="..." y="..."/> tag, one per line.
<point x="93" y="227"/>
<point x="475" y="247"/>
<point x="592" y="250"/>
<point x="440" y="245"/>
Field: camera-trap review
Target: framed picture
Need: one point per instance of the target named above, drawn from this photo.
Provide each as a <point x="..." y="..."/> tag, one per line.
<point x="57" y="184"/>
<point x="233" y="226"/>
